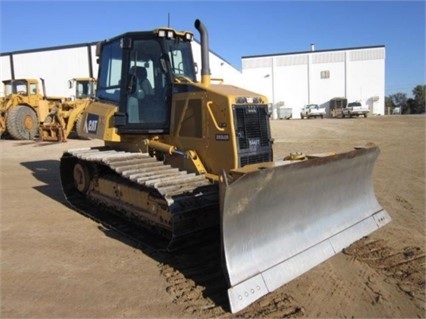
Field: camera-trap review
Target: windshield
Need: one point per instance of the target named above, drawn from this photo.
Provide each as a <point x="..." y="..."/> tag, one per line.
<point x="85" y="89"/>
<point x="354" y="104"/>
<point x="16" y="87"/>
<point x="180" y="57"/>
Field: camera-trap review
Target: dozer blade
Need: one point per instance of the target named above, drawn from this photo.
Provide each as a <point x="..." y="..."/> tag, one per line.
<point x="280" y="221"/>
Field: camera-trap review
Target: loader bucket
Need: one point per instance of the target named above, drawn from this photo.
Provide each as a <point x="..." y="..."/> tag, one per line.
<point x="280" y="221"/>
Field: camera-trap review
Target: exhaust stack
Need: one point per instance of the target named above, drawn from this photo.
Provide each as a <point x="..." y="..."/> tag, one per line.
<point x="205" y="64"/>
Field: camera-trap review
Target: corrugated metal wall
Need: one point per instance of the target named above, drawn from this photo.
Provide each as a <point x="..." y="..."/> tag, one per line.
<point x="55" y="66"/>
<point x="290" y="79"/>
<point x="58" y="65"/>
<point x="318" y="76"/>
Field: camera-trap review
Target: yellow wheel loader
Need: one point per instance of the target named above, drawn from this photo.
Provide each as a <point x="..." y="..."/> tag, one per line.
<point x="66" y="117"/>
<point x="24" y="108"/>
<point x="182" y="156"/>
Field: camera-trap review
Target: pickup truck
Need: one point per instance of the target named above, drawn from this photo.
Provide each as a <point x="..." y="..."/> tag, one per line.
<point x="354" y="109"/>
<point x="312" y="110"/>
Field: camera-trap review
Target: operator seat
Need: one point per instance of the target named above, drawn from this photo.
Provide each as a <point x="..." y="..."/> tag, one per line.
<point x="142" y="76"/>
<point x="142" y="90"/>
<point x="142" y="105"/>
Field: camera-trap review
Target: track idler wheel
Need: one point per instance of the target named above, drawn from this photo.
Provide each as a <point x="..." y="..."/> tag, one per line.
<point x="81" y="177"/>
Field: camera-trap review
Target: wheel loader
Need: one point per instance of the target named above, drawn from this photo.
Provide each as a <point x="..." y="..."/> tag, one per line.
<point x="66" y="117"/>
<point x="24" y="107"/>
<point x="181" y="156"/>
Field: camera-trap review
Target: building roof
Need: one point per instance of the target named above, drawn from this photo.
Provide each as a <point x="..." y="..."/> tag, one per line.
<point x="59" y="47"/>
<point x="312" y="51"/>
<point x="79" y="45"/>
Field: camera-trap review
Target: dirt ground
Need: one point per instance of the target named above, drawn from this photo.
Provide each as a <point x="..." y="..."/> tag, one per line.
<point x="56" y="263"/>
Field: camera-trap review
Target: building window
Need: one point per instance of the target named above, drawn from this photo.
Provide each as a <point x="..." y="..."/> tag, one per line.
<point x="325" y="74"/>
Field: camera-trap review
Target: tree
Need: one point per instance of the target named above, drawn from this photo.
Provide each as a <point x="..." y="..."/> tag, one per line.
<point x="411" y="106"/>
<point x="419" y="93"/>
<point x="414" y="105"/>
<point x="399" y="100"/>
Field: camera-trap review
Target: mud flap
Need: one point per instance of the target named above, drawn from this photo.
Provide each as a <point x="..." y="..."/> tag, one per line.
<point x="278" y="222"/>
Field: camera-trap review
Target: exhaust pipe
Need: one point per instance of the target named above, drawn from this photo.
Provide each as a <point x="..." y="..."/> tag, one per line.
<point x="43" y="85"/>
<point x="205" y="64"/>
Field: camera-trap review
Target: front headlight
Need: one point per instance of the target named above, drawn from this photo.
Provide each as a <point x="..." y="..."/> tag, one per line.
<point x="188" y="36"/>
<point x="164" y="33"/>
<point x="161" y="33"/>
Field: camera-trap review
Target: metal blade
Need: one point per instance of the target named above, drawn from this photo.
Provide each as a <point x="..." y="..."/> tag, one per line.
<point x="279" y="222"/>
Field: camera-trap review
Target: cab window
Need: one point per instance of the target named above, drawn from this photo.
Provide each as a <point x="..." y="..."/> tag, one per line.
<point x="108" y="86"/>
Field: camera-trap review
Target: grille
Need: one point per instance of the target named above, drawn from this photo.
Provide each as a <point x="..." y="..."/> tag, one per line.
<point x="253" y="134"/>
<point x="253" y="159"/>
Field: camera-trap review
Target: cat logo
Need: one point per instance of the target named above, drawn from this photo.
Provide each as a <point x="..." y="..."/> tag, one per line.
<point x="254" y="144"/>
<point x="91" y="125"/>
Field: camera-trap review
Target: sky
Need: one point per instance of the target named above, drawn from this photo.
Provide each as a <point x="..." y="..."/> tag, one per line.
<point x="235" y="28"/>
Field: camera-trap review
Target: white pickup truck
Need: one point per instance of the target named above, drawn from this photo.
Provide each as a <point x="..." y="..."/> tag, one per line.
<point x="355" y="109"/>
<point x="312" y="110"/>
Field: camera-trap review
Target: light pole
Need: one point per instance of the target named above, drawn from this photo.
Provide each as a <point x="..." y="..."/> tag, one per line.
<point x="274" y="110"/>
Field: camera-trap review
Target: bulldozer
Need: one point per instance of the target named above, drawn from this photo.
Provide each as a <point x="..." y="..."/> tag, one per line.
<point x="65" y="118"/>
<point x="182" y="155"/>
<point x="23" y="108"/>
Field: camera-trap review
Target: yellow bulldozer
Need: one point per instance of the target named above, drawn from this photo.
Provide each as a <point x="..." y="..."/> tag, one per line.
<point x="23" y="108"/>
<point x="65" y="118"/>
<point x="181" y="156"/>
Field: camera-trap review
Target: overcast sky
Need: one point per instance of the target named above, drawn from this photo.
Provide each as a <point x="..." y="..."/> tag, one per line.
<point x="236" y="28"/>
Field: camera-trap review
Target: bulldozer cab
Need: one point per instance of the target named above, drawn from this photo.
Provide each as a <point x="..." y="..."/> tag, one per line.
<point x="137" y="71"/>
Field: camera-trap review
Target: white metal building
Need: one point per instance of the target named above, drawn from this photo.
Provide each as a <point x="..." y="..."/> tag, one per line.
<point x="57" y="65"/>
<point x="315" y="77"/>
<point x="289" y="79"/>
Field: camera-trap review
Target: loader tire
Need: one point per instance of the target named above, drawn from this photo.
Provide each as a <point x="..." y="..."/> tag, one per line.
<point x="79" y="128"/>
<point x="22" y="123"/>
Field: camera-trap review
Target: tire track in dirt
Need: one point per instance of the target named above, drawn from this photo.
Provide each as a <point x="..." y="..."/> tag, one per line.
<point x="404" y="268"/>
<point x="327" y="284"/>
<point x="195" y="279"/>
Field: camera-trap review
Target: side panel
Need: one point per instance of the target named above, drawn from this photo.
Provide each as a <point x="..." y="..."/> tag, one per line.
<point x="98" y="122"/>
